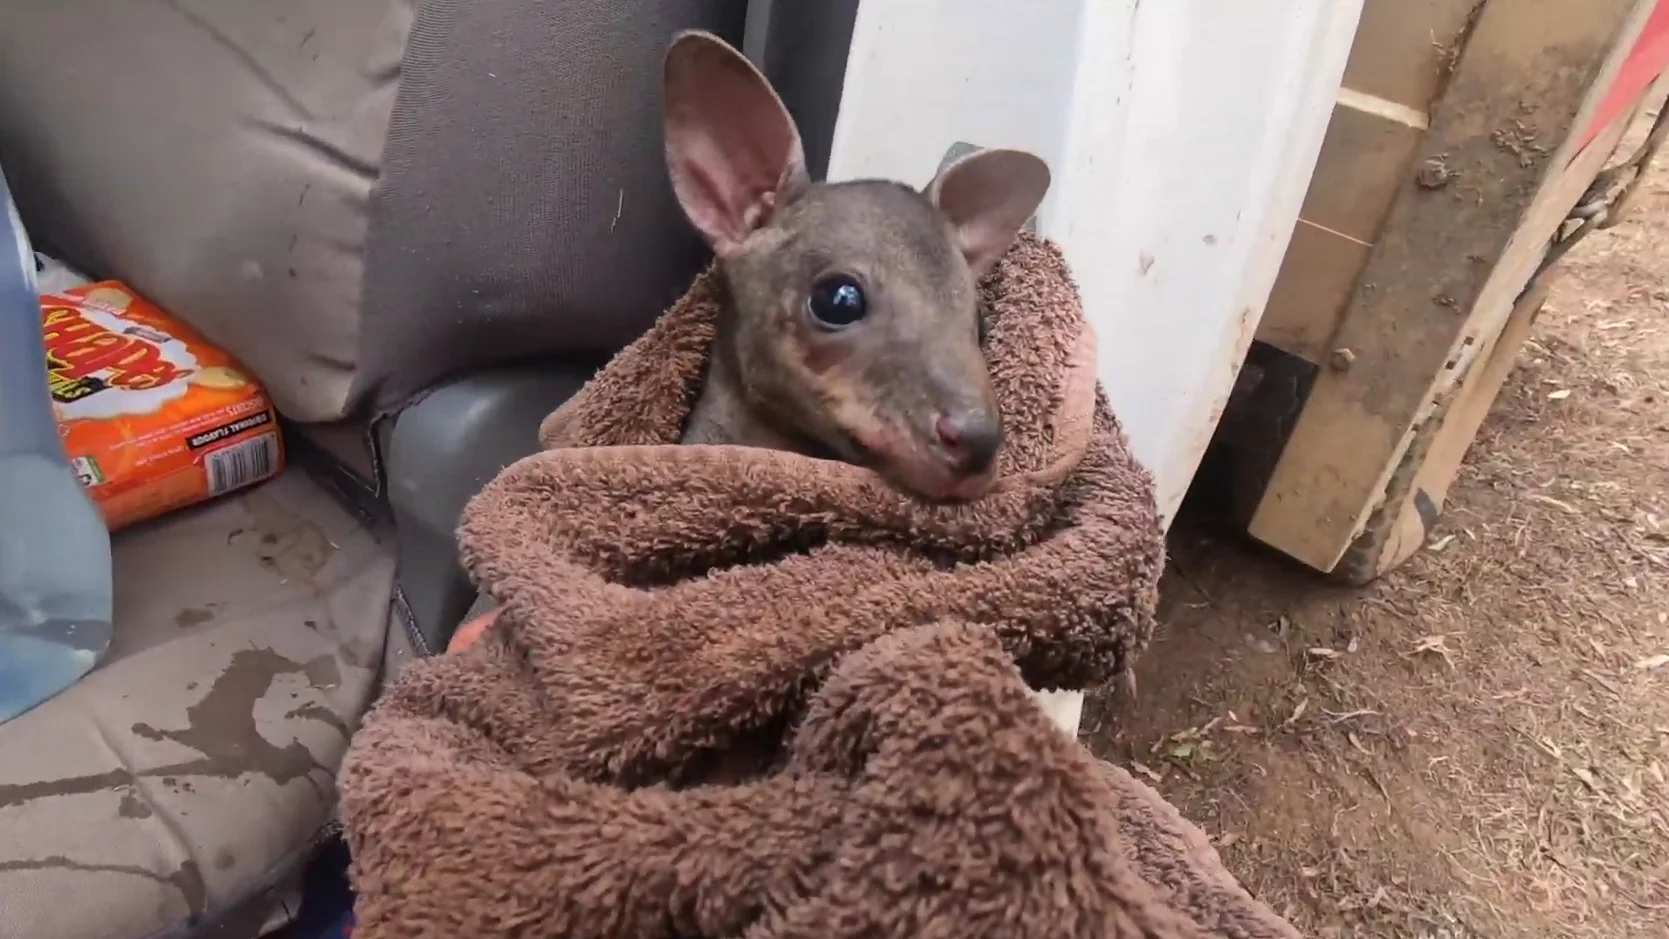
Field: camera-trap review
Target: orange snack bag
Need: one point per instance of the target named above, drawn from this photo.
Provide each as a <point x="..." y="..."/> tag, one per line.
<point x="154" y="418"/>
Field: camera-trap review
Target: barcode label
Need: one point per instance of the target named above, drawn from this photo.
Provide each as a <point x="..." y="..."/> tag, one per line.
<point x="242" y="463"/>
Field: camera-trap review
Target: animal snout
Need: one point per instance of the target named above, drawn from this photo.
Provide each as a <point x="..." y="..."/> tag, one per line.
<point x="969" y="440"/>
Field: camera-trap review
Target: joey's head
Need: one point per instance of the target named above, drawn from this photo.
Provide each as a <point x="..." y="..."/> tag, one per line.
<point x="853" y="319"/>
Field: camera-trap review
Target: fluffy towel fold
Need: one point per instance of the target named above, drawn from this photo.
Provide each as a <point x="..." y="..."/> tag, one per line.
<point x="733" y="692"/>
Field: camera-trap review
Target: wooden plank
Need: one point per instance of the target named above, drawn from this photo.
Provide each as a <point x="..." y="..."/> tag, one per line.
<point x="1424" y="499"/>
<point x="1312" y="291"/>
<point x="1398" y="62"/>
<point x="1405" y="48"/>
<point x="1364" y="159"/>
<point x="1530" y="72"/>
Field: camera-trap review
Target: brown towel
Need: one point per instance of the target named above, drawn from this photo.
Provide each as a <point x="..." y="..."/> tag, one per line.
<point x="733" y="692"/>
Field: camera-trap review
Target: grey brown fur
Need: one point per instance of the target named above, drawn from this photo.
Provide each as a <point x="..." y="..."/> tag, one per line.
<point x="907" y="363"/>
<point x="906" y="390"/>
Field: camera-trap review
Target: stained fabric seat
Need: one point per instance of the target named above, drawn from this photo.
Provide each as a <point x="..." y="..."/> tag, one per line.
<point x="196" y="765"/>
<point x="421" y="224"/>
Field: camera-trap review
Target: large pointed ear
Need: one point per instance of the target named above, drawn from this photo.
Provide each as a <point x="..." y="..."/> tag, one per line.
<point x="988" y="195"/>
<point x="731" y="148"/>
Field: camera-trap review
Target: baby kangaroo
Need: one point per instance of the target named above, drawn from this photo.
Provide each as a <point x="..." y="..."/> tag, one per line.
<point x="851" y="327"/>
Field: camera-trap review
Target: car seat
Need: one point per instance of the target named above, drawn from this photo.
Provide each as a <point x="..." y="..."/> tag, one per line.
<point x="422" y="224"/>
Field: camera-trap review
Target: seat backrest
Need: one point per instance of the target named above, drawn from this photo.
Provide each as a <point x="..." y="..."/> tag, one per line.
<point x="803" y="51"/>
<point x="524" y="207"/>
<point x="358" y="197"/>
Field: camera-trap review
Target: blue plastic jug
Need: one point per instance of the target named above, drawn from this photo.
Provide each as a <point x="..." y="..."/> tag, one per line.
<point x="55" y="571"/>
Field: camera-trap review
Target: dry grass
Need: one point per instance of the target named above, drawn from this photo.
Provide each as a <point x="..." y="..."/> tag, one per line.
<point x="1477" y="745"/>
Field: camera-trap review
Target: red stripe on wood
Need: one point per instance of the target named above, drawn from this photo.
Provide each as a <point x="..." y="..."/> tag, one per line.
<point x="1645" y="62"/>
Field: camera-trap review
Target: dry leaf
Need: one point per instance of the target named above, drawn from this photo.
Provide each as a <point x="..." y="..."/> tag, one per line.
<point x="1652" y="662"/>
<point x="1297" y="712"/>
<point x="1549" y="500"/>
<point x="1559" y="395"/>
<point x="1437" y="645"/>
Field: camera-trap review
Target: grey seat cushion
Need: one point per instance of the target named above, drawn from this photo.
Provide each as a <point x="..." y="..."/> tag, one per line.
<point x="197" y="763"/>
<point x="218" y="155"/>
<point x="358" y="197"/>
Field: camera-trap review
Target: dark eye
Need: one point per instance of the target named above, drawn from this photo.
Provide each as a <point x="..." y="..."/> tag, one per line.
<point x="836" y="302"/>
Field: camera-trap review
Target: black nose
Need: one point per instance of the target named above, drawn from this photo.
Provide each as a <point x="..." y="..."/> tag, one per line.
<point x="971" y="439"/>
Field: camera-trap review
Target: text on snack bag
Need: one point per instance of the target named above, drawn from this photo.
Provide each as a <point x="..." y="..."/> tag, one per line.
<point x="77" y="348"/>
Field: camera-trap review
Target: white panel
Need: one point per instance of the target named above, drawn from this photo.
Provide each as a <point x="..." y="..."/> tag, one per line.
<point x="1182" y="135"/>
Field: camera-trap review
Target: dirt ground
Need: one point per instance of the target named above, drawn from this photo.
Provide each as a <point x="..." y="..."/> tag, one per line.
<point x="1476" y="746"/>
